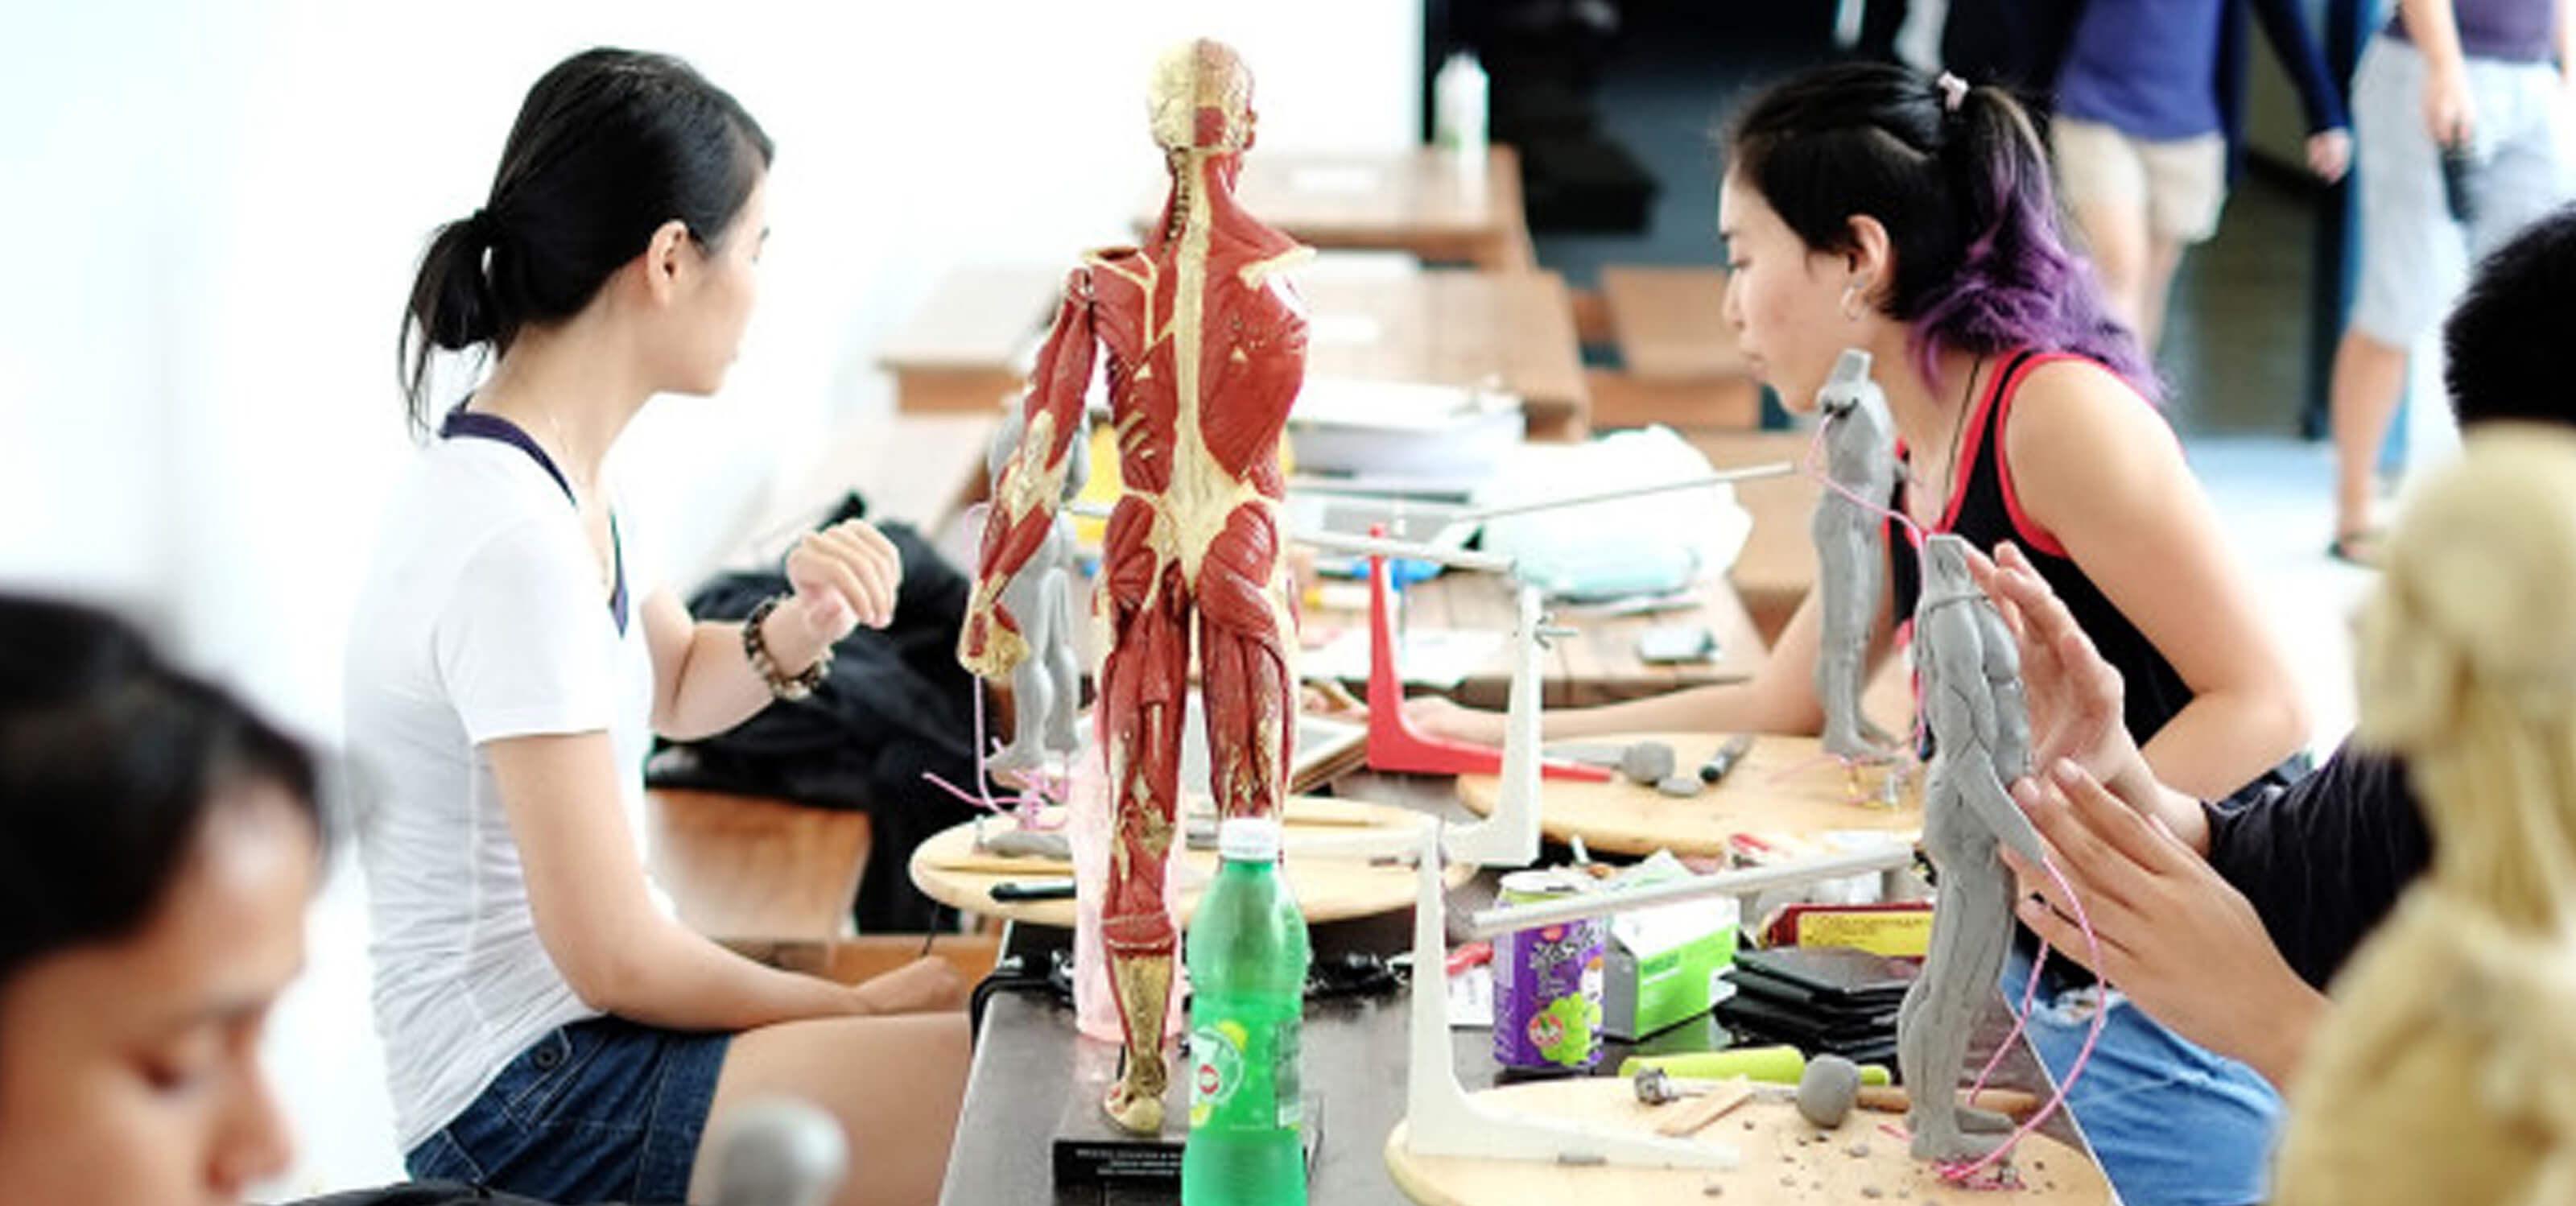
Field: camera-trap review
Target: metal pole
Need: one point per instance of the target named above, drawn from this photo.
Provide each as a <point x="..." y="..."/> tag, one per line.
<point x="1374" y="546"/>
<point x="1491" y="923"/>
<point x="1724" y="477"/>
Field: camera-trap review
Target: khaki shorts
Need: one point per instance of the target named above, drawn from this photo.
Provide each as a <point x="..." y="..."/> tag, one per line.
<point x="2180" y="184"/>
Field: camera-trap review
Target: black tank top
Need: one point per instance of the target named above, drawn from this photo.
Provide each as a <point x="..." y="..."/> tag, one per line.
<point x="1985" y="509"/>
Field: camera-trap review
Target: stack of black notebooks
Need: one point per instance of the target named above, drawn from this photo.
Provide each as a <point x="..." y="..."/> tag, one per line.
<point x="1819" y="999"/>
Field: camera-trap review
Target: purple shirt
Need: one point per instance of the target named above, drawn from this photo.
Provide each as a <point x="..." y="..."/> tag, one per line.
<point x="2147" y="68"/>
<point x="2512" y="31"/>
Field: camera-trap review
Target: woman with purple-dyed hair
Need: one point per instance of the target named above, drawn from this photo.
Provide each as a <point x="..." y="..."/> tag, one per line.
<point x="1873" y="207"/>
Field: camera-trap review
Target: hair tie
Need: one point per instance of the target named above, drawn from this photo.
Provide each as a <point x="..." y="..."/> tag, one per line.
<point x="481" y="227"/>
<point x="1954" y="91"/>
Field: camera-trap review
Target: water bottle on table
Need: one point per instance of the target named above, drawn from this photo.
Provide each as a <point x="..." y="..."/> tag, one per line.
<point x="1248" y="954"/>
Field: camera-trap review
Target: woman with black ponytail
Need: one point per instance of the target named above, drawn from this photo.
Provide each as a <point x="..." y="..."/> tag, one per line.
<point x="549" y="1028"/>
<point x="1872" y="207"/>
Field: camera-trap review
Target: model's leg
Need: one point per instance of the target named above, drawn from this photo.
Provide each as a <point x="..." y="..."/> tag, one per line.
<point x="1243" y="648"/>
<point x="1033" y="684"/>
<point x="1144" y="688"/>
<point x="1064" y="665"/>
<point x="1933" y="1031"/>
<point x="1848" y="571"/>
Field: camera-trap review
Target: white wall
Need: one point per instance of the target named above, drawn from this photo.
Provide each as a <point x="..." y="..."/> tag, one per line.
<point x="213" y="214"/>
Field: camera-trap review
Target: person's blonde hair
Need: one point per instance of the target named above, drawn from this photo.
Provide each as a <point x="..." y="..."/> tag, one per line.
<point x="2447" y="1069"/>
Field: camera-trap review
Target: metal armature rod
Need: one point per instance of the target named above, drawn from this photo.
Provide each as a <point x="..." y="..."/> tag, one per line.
<point x="1725" y="477"/>
<point x="1455" y="513"/>
<point x="1490" y="923"/>
<point x="1372" y="546"/>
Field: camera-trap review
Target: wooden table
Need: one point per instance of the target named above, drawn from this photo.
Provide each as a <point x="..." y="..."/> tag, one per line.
<point x="1857" y="1162"/>
<point x="1784" y="785"/>
<point x="1599" y="664"/>
<point x="965" y="349"/>
<point x="947" y="869"/>
<point x="1030" y="1063"/>
<point x="1514" y="331"/>
<point x="1416" y="200"/>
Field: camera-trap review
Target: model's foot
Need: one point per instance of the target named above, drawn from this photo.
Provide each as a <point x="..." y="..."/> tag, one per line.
<point x="1858" y="748"/>
<point x="1134" y="1112"/>
<point x="1984" y="1122"/>
<point x="1944" y="1142"/>
<point x="1016" y="758"/>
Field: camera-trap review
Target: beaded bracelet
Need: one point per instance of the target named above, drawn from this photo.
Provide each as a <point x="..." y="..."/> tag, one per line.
<point x="781" y="684"/>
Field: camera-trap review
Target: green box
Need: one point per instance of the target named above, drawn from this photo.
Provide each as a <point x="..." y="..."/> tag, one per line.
<point x="1667" y="965"/>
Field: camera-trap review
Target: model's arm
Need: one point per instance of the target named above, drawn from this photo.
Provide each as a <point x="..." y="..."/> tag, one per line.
<point x="703" y="682"/>
<point x="587" y="890"/>
<point x="1030" y="489"/>
<point x="2099" y="471"/>
<point x="2076" y="699"/>
<point x="1779" y="698"/>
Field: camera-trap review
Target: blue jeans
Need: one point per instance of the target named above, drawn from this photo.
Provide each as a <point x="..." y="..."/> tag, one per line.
<point x="595" y="1111"/>
<point x="2171" y="1123"/>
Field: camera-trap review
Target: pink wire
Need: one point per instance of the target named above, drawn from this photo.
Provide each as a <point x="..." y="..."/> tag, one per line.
<point x="982" y="797"/>
<point x="1959" y="1173"/>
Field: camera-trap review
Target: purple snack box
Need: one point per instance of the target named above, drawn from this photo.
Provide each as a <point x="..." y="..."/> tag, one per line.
<point x="1547" y="984"/>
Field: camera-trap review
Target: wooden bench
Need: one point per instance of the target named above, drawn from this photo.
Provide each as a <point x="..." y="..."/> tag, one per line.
<point x="756" y="873"/>
<point x="1682" y="365"/>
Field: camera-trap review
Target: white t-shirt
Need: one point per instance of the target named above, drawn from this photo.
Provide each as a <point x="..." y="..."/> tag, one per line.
<point x="483" y="617"/>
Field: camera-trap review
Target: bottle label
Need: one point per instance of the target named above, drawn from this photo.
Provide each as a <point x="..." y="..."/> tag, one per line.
<point x="1244" y="1077"/>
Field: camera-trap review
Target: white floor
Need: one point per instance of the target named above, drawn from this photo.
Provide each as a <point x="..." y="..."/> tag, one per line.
<point x="2270" y="493"/>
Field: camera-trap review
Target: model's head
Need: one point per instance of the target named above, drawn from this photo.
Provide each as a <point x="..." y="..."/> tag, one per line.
<point x="1861" y="195"/>
<point x="2501" y="348"/>
<point x="1201" y="99"/>
<point x="157" y="847"/>
<point x="629" y="179"/>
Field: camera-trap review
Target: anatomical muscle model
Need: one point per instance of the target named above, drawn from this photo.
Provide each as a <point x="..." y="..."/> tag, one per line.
<point x="1206" y="347"/>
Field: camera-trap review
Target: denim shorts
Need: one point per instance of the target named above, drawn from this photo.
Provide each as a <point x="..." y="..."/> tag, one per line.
<point x="2171" y="1123"/>
<point x="602" y="1110"/>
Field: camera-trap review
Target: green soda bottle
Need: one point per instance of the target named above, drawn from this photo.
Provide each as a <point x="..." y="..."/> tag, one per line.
<point x="1247" y="954"/>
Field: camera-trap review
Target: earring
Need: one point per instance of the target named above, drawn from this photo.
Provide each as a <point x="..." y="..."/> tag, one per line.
<point x="1852" y="301"/>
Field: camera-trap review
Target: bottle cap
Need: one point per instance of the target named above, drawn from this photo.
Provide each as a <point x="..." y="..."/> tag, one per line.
<point x="1248" y="840"/>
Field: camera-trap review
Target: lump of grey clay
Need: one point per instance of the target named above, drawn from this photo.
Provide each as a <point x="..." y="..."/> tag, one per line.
<point x="1827" y="1090"/>
<point x="1679" y="786"/>
<point x="1029" y="843"/>
<point x="1647" y="762"/>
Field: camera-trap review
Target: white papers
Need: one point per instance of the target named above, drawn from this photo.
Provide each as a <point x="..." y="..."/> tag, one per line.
<point x="1439" y="658"/>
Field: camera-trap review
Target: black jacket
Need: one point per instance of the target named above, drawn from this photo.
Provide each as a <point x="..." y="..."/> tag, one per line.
<point x="2324" y="859"/>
